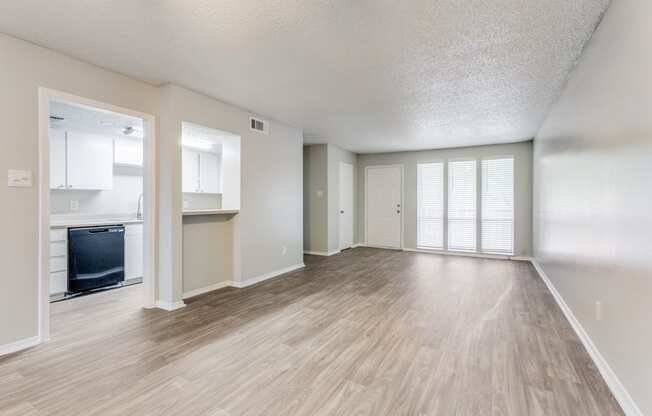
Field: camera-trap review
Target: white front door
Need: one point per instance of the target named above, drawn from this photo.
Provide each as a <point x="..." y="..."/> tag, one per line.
<point x="346" y="205"/>
<point x="384" y="206"/>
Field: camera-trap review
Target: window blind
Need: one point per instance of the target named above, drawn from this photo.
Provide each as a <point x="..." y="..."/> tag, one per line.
<point x="462" y="210"/>
<point x="430" y="205"/>
<point x="497" y="225"/>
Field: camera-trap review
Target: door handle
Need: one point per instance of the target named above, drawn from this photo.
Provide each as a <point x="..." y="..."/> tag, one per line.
<point x="341" y="211"/>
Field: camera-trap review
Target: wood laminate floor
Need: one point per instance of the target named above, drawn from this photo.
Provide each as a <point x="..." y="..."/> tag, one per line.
<point x="366" y="332"/>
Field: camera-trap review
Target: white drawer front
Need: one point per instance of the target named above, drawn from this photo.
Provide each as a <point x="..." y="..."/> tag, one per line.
<point x="58" y="248"/>
<point x="58" y="282"/>
<point x="58" y="234"/>
<point x="133" y="229"/>
<point x="58" y="264"/>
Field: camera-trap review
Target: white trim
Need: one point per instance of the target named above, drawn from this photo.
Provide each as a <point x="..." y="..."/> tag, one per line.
<point x="320" y="253"/>
<point x="206" y="289"/>
<point x="357" y="245"/>
<point x="45" y="95"/>
<point x="170" y="306"/>
<point x="465" y="254"/>
<point x="19" y="345"/>
<point x="262" y="277"/>
<point x="617" y="389"/>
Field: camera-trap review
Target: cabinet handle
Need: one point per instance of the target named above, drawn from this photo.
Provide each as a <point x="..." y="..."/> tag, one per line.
<point x="69" y="186"/>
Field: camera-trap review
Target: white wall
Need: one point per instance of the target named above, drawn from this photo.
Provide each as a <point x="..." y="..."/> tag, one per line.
<point x="522" y="153"/>
<point x="593" y="194"/>
<point x="122" y="199"/>
<point x="271" y="212"/>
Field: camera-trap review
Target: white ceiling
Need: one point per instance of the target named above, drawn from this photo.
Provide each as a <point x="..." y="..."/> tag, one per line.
<point x="93" y="120"/>
<point x="368" y="75"/>
<point x="203" y="138"/>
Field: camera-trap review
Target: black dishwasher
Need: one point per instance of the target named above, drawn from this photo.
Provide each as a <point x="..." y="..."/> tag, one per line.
<point x="96" y="257"/>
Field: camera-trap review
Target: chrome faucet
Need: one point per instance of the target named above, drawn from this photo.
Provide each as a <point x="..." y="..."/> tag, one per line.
<point x="139" y="213"/>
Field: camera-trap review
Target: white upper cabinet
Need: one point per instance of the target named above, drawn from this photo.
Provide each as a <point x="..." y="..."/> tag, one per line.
<point x="190" y="171"/>
<point x="128" y="151"/>
<point x="57" y="159"/>
<point x="209" y="173"/>
<point x="89" y="161"/>
<point x="201" y="172"/>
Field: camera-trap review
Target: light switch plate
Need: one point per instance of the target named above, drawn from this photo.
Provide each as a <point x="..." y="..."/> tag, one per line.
<point x="19" y="178"/>
<point x="320" y="193"/>
<point x="74" y="205"/>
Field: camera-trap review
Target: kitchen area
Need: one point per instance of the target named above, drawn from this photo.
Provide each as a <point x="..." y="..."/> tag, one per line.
<point x="96" y="212"/>
<point x="96" y="200"/>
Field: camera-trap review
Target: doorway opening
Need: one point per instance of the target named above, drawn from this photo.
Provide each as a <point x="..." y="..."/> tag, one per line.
<point x="97" y="204"/>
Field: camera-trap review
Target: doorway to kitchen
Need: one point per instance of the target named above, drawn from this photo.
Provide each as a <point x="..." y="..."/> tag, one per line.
<point x="97" y="189"/>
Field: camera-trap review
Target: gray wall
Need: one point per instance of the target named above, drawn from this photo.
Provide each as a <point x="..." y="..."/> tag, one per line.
<point x="24" y="68"/>
<point x="522" y="153"/>
<point x="593" y="194"/>
<point x="315" y="207"/>
<point x="271" y="211"/>
<point x="207" y="251"/>
<point x="335" y="156"/>
<point x="271" y="203"/>
<point x="321" y="172"/>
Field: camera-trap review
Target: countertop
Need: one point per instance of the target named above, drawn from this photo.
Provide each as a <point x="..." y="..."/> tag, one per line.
<point x="86" y="222"/>
<point x="210" y="211"/>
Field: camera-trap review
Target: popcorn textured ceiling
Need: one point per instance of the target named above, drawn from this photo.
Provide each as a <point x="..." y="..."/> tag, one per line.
<point x="369" y="76"/>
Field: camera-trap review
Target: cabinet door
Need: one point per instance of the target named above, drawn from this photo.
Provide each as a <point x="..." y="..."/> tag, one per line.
<point x="57" y="159"/>
<point x="128" y="151"/>
<point x="189" y="171"/>
<point x="133" y="251"/>
<point x="209" y="173"/>
<point x="90" y="161"/>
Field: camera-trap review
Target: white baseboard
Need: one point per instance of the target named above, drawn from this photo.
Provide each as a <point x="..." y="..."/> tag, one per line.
<point x="463" y="254"/>
<point x="320" y="253"/>
<point x="210" y="288"/>
<point x="623" y="397"/>
<point x="262" y="277"/>
<point x="19" y="345"/>
<point x="170" y="306"/>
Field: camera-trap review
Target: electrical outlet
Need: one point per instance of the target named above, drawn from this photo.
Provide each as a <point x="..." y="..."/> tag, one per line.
<point x="74" y="205"/>
<point x="284" y="250"/>
<point x="598" y="310"/>
<point x="186" y="204"/>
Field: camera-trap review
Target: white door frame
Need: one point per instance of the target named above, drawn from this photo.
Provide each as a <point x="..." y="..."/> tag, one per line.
<point x="45" y="95"/>
<point x="366" y="205"/>
<point x="339" y="208"/>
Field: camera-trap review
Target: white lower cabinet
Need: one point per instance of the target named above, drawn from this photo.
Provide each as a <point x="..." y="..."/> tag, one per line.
<point x="58" y="282"/>
<point x="133" y="251"/>
<point x="58" y="261"/>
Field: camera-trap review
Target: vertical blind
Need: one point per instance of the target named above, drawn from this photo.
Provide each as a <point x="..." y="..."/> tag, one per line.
<point x="462" y="209"/>
<point x="497" y="225"/>
<point x="430" y="205"/>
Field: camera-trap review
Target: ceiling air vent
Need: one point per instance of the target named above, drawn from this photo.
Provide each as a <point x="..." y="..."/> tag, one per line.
<point x="261" y="126"/>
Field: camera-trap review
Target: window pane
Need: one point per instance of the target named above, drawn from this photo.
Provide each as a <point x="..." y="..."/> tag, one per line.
<point x="498" y="205"/>
<point x="430" y="205"/>
<point x="462" y="208"/>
